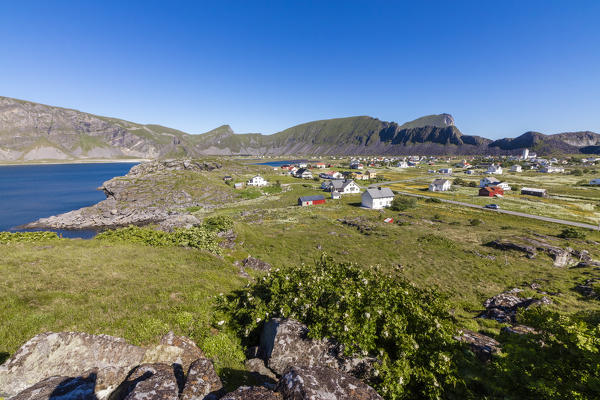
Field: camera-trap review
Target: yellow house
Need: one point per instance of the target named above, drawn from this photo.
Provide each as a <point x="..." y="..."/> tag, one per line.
<point x="371" y="174"/>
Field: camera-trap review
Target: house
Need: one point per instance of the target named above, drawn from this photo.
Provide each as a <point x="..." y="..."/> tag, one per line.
<point x="463" y="164"/>
<point x="445" y="171"/>
<point x="336" y="195"/>
<point x="356" y="165"/>
<point x="550" y="169"/>
<point x="303" y="173"/>
<point x="488" y="181"/>
<point x="469" y="172"/>
<point x="491" y="191"/>
<point x="516" y="168"/>
<point x="595" y="181"/>
<point x="377" y="198"/>
<point x="534" y="192"/>
<point x="440" y="185"/>
<point x="337" y="175"/>
<point x="346" y="186"/>
<point x="227" y="178"/>
<point x="505" y="186"/>
<point x="494" y="169"/>
<point x="302" y="165"/>
<point x="238" y="185"/>
<point x="371" y="174"/>
<point x="257" y="181"/>
<point x="402" y="164"/>
<point x="525" y="154"/>
<point x="320" y="165"/>
<point x="361" y="177"/>
<point x="311" y="200"/>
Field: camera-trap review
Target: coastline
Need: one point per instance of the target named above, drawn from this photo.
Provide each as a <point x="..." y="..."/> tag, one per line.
<point x="78" y="161"/>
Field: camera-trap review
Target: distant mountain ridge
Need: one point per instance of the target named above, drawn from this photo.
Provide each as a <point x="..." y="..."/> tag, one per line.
<point x="32" y="131"/>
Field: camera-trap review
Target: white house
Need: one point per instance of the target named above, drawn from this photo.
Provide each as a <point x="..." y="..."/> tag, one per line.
<point x="488" y="181"/>
<point x="595" y="181"/>
<point x="551" y="169"/>
<point x="303" y="173"/>
<point x="402" y="164"/>
<point x="516" y="168"/>
<point x="505" y="186"/>
<point x="525" y="154"/>
<point x="440" y="185"/>
<point x="377" y="198"/>
<point x="445" y="171"/>
<point x="257" y="181"/>
<point x="494" y="169"/>
<point x="346" y="186"/>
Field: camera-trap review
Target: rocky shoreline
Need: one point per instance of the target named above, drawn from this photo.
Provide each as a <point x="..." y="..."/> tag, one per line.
<point x="138" y="198"/>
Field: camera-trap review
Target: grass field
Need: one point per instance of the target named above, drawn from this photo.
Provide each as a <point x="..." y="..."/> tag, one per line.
<point x="140" y="292"/>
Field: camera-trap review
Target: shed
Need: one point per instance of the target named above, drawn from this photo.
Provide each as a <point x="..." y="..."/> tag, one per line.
<point x="534" y="192"/>
<point x="311" y="200"/>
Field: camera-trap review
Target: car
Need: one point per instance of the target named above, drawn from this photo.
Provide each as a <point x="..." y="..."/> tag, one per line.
<point x="492" y="206"/>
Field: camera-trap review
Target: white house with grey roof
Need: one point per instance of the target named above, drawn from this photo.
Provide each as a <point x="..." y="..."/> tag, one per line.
<point x="440" y="185"/>
<point x="377" y="198"/>
<point x="344" y="186"/>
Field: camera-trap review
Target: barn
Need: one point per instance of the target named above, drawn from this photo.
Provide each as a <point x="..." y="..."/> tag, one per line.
<point x="311" y="200"/>
<point x="491" y="191"/>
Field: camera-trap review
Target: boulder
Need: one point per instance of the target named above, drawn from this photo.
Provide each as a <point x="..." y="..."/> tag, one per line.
<point x="173" y="222"/>
<point x="148" y="382"/>
<point x="68" y="354"/>
<point x="252" y="393"/>
<point x="318" y="383"/>
<point x="256" y="264"/>
<point x="284" y="343"/>
<point x="483" y="346"/>
<point x="202" y="381"/>
<point x="61" y="388"/>
<point x="519" y="330"/>
<point x="503" y="307"/>
<point x="173" y="349"/>
<point x="260" y="371"/>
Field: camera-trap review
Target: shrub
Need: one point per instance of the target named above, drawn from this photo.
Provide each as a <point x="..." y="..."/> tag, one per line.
<point x="195" y="237"/>
<point x="475" y="222"/>
<point x="26" y="237"/>
<point x="459" y="181"/>
<point x="472" y="184"/>
<point x="408" y="329"/>
<point x="571" y="233"/>
<point x="559" y="363"/>
<point x="433" y="200"/>
<point x="219" y="223"/>
<point x="403" y="203"/>
<point x="577" y="172"/>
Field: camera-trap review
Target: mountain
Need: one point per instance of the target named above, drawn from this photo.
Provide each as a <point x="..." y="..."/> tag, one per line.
<point x="32" y="131"/>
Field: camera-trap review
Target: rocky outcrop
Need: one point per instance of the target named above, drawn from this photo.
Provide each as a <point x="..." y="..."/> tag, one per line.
<point x="504" y="306"/>
<point x="285" y="343"/>
<point x="148" y="381"/>
<point x="562" y="257"/>
<point x="61" y="387"/>
<point x="202" y="382"/>
<point x="255" y="264"/>
<point x="483" y="346"/>
<point x="252" y="393"/>
<point x="68" y="354"/>
<point x="319" y="383"/>
<point x="147" y="194"/>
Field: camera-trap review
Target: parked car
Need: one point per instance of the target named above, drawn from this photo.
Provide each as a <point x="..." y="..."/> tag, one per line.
<point x="492" y="206"/>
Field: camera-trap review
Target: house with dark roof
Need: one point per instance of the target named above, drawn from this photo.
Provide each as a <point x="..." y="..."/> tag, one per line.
<point x="440" y="185"/>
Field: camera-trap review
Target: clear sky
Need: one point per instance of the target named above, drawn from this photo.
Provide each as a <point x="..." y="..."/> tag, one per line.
<point x="499" y="67"/>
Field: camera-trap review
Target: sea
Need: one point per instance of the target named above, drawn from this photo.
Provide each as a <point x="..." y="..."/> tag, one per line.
<point x="30" y="192"/>
<point x="280" y="163"/>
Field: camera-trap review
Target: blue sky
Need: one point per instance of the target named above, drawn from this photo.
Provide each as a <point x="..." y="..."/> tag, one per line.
<point x="499" y="67"/>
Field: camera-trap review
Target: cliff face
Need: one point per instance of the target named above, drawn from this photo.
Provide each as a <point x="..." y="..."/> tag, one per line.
<point x="31" y="131"/>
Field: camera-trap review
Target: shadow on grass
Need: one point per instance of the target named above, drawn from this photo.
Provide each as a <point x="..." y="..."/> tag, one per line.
<point x="355" y="204"/>
<point x="3" y="357"/>
<point x="234" y="378"/>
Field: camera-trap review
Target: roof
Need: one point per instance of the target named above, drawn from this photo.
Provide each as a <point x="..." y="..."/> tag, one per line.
<point x="440" y="181"/>
<point x="491" y="188"/>
<point x="312" y="198"/>
<point x="491" y="179"/>
<point x="380" y="192"/>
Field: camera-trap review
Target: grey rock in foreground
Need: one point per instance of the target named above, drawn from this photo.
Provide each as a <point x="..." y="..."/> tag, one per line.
<point x="252" y="393"/>
<point x="284" y="343"/>
<point x="504" y="306"/>
<point x="148" y="382"/>
<point x="483" y="346"/>
<point x="68" y="354"/>
<point x="202" y="382"/>
<point x="61" y="388"/>
<point x="319" y="383"/>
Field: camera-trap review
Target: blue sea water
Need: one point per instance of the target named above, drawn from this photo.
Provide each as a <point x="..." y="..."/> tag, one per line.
<point x="30" y="192"/>
<point x="280" y="163"/>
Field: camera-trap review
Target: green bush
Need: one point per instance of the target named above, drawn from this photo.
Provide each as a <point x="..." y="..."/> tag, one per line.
<point x="577" y="172"/>
<point x="403" y="203"/>
<point x="475" y="222"/>
<point x="195" y="237"/>
<point x="408" y="329"/>
<point x="459" y="181"/>
<point x="26" y="237"/>
<point x="433" y="200"/>
<point x="219" y="223"/>
<point x="562" y="362"/>
<point x="572" y="233"/>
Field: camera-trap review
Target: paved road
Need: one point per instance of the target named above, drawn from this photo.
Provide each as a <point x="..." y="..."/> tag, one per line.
<point x="518" y="214"/>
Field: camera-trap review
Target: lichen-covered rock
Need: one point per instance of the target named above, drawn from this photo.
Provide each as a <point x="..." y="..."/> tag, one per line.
<point x="483" y="346"/>
<point x="61" y="388"/>
<point x="148" y="382"/>
<point x="519" y="330"/>
<point x="184" y="221"/>
<point x="174" y="349"/>
<point x="202" y="381"/>
<point x="260" y="371"/>
<point x="256" y="264"/>
<point x="68" y="354"/>
<point x="317" y="383"/>
<point x="503" y="307"/>
<point x="252" y="393"/>
<point x="284" y="343"/>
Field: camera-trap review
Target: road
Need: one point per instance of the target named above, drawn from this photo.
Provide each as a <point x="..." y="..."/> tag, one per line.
<point x="516" y="213"/>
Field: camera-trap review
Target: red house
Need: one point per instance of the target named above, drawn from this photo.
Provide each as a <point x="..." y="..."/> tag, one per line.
<point x="311" y="200"/>
<point x="491" y="191"/>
